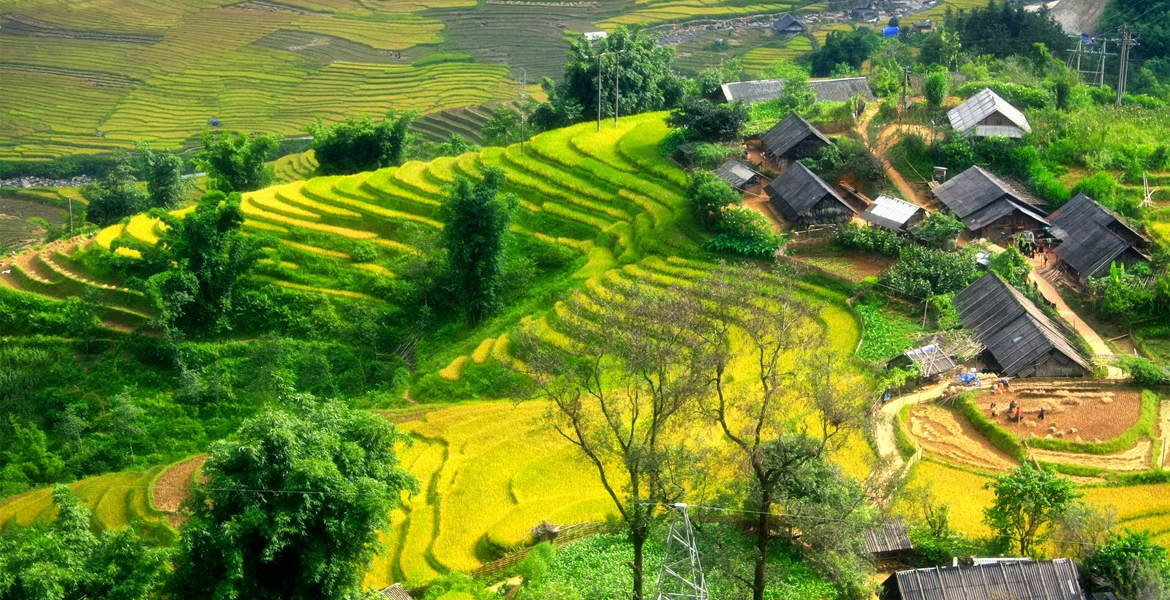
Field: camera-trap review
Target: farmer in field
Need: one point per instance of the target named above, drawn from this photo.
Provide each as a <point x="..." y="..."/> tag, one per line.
<point x="1041" y="414"/>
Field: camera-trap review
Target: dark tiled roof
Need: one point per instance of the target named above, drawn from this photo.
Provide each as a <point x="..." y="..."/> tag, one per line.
<point x="1089" y="236"/>
<point x="1011" y="327"/>
<point x="790" y="131"/>
<point x="978" y="197"/>
<point x="798" y="190"/>
<point x="891" y="536"/>
<point x="1000" y="580"/>
<point x="827" y="90"/>
<point x="787" y="21"/>
<point x="890" y="213"/>
<point x="735" y="173"/>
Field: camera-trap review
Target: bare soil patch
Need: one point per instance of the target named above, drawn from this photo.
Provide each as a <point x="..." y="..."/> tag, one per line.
<point x="173" y="487"/>
<point x="853" y="266"/>
<point x="1082" y="414"/>
<point x="1135" y="458"/>
<point x="944" y="433"/>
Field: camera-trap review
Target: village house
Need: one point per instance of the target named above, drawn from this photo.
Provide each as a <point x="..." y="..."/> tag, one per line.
<point x="892" y="213"/>
<point x="986" y="114"/>
<point x="1020" y="340"/>
<point x="788" y="26"/>
<point x="889" y="542"/>
<point x="792" y="139"/>
<point x="987" y="205"/>
<point x="1093" y="238"/>
<point x="736" y="174"/>
<point x="988" y="579"/>
<point x="804" y="199"/>
<point x="839" y="89"/>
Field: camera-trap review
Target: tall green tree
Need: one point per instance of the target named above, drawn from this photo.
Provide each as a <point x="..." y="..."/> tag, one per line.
<point x="64" y="559"/>
<point x="236" y="163"/>
<point x="502" y="128"/>
<point x="707" y="121"/>
<point x="292" y="508"/>
<point x="707" y="194"/>
<point x="359" y="144"/>
<point x="200" y="263"/>
<point x="476" y="219"/>
<point x="163" y="172"/>
<point x="934" y="87"/>
<point x="116" y="196"/>
<point x="1132" y="565"/>
<point x="850" y="48"/>
<point x="1027" y="502"/>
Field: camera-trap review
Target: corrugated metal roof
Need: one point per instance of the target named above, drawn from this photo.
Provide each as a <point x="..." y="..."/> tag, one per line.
<point x="1011" y="327"/>
<point x="1001" y="580"/>
<point x="982" y="105"/>
<point x="932" y="359"/>
<point x="827" y="90"/>
<point x="890" y="213"/>
<point x="798" y="190"/>
<point x="978" y="198"/>
<point x="735" y="173"/>
<point x="395" y="592"/>
<point x="891" y="536"/>
<point x="790" y="131"/>
<point x="1089" y="242"/>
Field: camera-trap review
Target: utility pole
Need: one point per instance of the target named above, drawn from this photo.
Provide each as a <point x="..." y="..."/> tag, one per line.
<point x="617" y="72"/>
<point x="1101" y="71"/>
<point x="681" y="577"/>
<point x="905" y="83"/>
<point x="70" y="215"/>
<point x="599" y="56"/>
<point x="1123" y="67"/>
<point x="523" y="95"/>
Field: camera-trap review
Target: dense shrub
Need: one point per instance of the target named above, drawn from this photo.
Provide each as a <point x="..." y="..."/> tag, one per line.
<point x="747" y="232"/>
<point x="934" y="87"/>
<point x="359" y="144"/>
<point x="707" y="121"/>
<point x="1019" y="95"/>
<point x="938" y="230"/>
<point x="1144" y="372"/>
<point x="707" y="194"/>
<point x="869" y="239"/>
<point x="924" y="272"/>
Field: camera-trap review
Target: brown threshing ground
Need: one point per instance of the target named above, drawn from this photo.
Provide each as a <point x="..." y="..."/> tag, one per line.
<point x="1134" y="458"/>
<point x="1097" y="414"/>
<point x="173" y="487"/>
<point x="946" y="434"/>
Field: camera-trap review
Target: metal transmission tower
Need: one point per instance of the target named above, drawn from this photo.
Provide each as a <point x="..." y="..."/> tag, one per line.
<point x="681" y="577"/>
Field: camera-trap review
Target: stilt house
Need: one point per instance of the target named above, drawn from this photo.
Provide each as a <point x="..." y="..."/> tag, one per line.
<point x="987" y="205"/>
<point x="1093" y="238"/>
<point x="804" y="199"/>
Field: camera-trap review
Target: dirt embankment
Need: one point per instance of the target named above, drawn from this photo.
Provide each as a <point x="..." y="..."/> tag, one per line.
<point x="174" y="486"/>
<point x="1079" y="16"/>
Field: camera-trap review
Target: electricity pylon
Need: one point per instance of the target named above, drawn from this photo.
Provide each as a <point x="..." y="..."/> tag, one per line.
<point x="681" y="577"/>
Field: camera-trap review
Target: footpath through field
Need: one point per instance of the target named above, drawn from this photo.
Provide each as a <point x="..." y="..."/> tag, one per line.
<point x="1101" y="350"/>
<point x="883" y="436"/>
<point x="886" y="138"/>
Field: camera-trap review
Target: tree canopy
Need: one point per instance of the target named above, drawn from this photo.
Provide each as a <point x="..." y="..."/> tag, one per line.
<point x="850" y="48"/>
<point x="1027" y="501"/>
<point x="236" y="163"/>
<point x="64" y="559"/>
<point x="116" y="196"/>
<point x="293" y="507"/>
<point x="708" y="121"/>
<point x="477" y="218"/>
<point x="163" y="172"/>
<point x="359" y="144"/>
<point x="1004" y="28"/>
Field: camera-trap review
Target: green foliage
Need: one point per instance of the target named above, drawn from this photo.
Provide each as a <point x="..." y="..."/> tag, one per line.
<point x="457" y="586"/>
<point x="490" y="380"/>
<point x="236" y="163"/>
<point x="902" y="440"/>
<point x="708" y="82"/>
<point x="116" y="196"/>
<point x="359" y="144"/>
<point x="887" y="333"/>
<point x="644" y="78"/>
<point x="707" y="121"/>
<point x="1132" y="565"/>
<point x="340" y="479"/>
<point x="455" y="146"/>
<point x="25" y="460"/>
<point x="1100" y="186"/>
<point x="1019" y="95"/>
<point x="364" y="251"/>
<point x="64" y="559"/>
<point x="1027" y="501"/>
<point x="998" y="436"/>
<point x="849" y="157"/>
<point x="997" y="29"/>
<point x="869" y="239"/>
<point x="503" y="127"/>
<point x="1012" y="266"/>
<point x="163" y="172"/>
<point x="535" y="565"/>
<point x="477" y="218"/>
<point x="850" y="48"/>
<point x="745" y="231"/>
<point x="200" y="264"/>
<point x="934" y="87"/>
<point x="939" y="230"/>
<point x="1128" y="295"/>
<point x="711" y="156"/>
<point x="1144" y="372"/>
<point x="924" y="272"/>
<point x="707" y="194"/>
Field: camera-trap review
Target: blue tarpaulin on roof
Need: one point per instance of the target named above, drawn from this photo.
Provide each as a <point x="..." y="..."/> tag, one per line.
<point x="889" y="32"/>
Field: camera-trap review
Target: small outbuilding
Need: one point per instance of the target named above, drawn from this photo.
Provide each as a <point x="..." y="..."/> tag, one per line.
<point x="889" y="541"/>
<point x="793" y="138"/>
<point x="986" y="204"/>
<point x="892" y="213"/>
<point x="395" y="592"/>
<point x="1020" y="340"/>
<point x="788" y="25"/>
<point x="838" y="89"/>
<point x="804" y="199"/>
<point x="932" y="359"/>
<point x="735" y="174"/>
<point x="986" y="114"/>
<point x="988" y="580"/>
<point x="1093" y="238"/>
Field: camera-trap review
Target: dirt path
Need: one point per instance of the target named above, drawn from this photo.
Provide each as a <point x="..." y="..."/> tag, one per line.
<point x="1163" y="457"/>
<point x="886" y="138"/>
<point x="1101" y="350"/>
<point x="883" y="433"/>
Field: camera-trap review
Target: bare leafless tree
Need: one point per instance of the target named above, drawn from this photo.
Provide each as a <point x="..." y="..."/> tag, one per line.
<point x="635" y="367"/>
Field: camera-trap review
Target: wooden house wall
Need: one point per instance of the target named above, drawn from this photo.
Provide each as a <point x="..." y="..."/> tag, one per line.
<point x="1053" y="364"/>
<point x="1009" y="223"/>
<point x="997" y="118"/>
<point x="809" y="146"/>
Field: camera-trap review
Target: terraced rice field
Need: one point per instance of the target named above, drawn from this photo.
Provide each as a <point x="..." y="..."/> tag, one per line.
<point x="658" y="11"/>
<point x="116" y="499"/>
<point x="756" y="62"/>
<point x="145" y="71"/>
